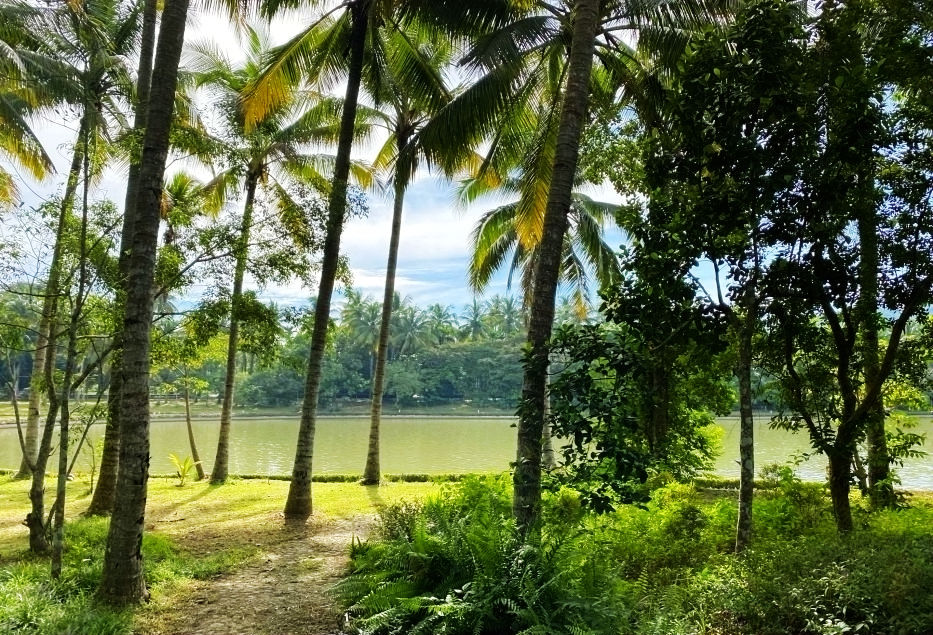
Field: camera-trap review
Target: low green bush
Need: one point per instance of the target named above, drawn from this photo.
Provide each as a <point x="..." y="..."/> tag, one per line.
<point x="454" y="564"/>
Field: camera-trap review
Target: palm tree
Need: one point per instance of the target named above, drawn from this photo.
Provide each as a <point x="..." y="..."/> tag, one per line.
<point x="409" y="106"/>
<point x="347" y="37"/>
<point x="442" y="323"/>
<point x="272" y="150"/>
<point x="533" y="87"/>
<point x="496" y="240"/>
<point x="122" y="579"/>
<point x="80" y="55"/>
<point x="473" y="320"/>
<point x="20" y="96"/>
<point x="361" y="315"/>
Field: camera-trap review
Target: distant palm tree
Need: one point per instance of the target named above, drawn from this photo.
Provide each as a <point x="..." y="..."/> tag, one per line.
<point x="506" y="315"/>
<point x="473" y="320"/>
<point x="442" y="323"/>
<point x="362" y="315"/>
<point x="410" y="330"/>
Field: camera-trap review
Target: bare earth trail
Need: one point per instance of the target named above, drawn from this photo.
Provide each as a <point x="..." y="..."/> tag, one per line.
<point x="285" y="591"/>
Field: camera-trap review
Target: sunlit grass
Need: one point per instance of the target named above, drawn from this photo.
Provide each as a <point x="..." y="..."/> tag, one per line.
<point x="193" y="533"/>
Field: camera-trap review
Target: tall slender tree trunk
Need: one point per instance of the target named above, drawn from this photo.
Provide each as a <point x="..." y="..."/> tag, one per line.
<point x="743" y="532"/>
<point x="526" y="502"/>
<point x="221" y="460"/>
<point x="880" y="489"/>
<point x="102" y="500"/>
<point x="298" y="506"/>
<point x="35" y="520"/>
<point x="122" y="580"/>
<point x="371" y="473"/>
<point x="35" y="399"/>
<point x="194" y="446"/>
<point x="71" y="358"/>
<point x="840" y="464"/>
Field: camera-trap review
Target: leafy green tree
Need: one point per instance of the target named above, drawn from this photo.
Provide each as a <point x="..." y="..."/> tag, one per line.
<point x="866" y="216"/>
<point x="724" y="164"/>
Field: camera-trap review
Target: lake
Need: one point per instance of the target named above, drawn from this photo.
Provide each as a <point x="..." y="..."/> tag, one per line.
<point x="425" y="445"/>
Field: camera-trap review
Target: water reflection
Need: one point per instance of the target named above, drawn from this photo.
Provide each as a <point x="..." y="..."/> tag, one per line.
<point x="423" y="445"/>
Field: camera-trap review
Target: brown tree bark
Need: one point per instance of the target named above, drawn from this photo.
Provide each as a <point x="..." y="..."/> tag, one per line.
<point x="102" y="500"/>
<point x="71" y="359"/>
<point x="880" y="490"/>
<point x="743" y="532"/>
<point x="298" y="506"/>
<point x="220" y="470"/>
<point x="526" y="502"/>
<point x="371" y="473"/>
<point x="122" y="580"/>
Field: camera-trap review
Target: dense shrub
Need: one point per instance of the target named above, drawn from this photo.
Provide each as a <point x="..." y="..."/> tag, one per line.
<point x="453" y="564"/>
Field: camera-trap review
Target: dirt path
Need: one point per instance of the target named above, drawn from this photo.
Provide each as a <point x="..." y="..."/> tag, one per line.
<point x="287" y="591"/>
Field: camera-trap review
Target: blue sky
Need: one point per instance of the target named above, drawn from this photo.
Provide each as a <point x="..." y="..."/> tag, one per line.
<point x="434" y="247"/>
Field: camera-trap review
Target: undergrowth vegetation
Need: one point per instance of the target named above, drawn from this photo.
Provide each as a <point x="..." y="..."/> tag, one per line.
<point x="453" y="564"/>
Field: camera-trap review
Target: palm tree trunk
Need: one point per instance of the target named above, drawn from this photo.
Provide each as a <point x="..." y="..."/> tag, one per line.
<point x="122" y="580"/>
<point x="194" y="446"/>
<point x="371" y="473"/>
<point x="221" y="460"/>
<point x="526" y="502"/>
<point x="743" y="532"/>
<point x="298" y="506"/>
<point x="102" y="500"/>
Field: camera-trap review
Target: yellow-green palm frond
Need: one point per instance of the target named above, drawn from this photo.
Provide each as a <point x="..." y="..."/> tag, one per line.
<point x="17" y="140"/>
<point x="315" y="52"/>
<point x="9" y="193"/>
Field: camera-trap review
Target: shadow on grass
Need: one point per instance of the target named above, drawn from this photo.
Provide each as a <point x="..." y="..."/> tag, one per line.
<point x="375" y="498"/>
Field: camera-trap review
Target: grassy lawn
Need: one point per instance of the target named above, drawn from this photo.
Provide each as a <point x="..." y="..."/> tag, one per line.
<point x="194" y="533"/>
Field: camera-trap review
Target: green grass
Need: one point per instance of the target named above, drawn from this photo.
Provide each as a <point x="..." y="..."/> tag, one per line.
<point x="193" y="533"/>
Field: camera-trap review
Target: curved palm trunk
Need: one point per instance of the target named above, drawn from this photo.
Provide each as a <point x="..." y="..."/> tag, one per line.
<point x="221" y="460"/>
<point x="526" y="502"/>
<point x="194" y="446"/>
<point x="122" y="580"/>
<point x="298" y="506"/>
<point x="371" y="473"/>
<point x="102" y="500"/>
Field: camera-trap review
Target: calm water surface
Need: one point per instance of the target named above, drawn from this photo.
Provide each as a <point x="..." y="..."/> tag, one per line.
<point x="425" y="445"/>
